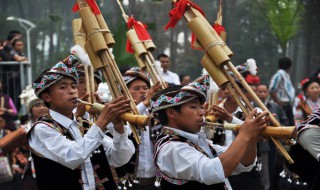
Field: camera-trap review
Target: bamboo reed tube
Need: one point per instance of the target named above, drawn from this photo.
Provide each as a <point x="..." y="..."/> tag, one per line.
<point x="92" y="27"/>
<point x="214" y="71"/>
<point x="87" y="76"/>
<point x="137" y="45"/>
<point x="154" y="67"/>
<point x="149" y="45"/>
<point x="79" y="33"/>
<point x="207" y="40"/>
<point x="95" y="59"/>
<point x="213" y="32"/>
<point x="141" y="63"/>
<point x="211" y="43"/>
<point x="92" y="85"/>
<point x="106" y="63"/>
<point x="254" y="96"/>
<point x="136" y="119"/>
<point x="237" y="88"/>
<point x="270" y="131"/>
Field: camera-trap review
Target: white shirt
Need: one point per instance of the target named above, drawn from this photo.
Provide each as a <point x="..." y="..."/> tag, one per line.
<point x="171" y="77"/>
<point x="54" y="146"/>
<point x="181" y="161"/>
<point x="229" y="134"/>
<point x="146" y="167"/>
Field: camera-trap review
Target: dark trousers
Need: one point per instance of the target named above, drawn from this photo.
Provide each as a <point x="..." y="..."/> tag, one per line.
<point x="246" y="181"/>
<point x="287" y="108"/>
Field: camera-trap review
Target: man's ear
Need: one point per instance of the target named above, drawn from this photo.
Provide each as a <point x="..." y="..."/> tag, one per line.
<point x="46" y="97"/>
<point x="171" y="113"/>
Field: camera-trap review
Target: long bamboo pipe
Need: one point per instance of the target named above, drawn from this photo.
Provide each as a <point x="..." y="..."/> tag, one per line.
<point x="142" y="52"/>
<point x="131" y="118"/>
<point x="99" y="40"/>
<point x="217" y="50"/>
<point x="270" y="131"/>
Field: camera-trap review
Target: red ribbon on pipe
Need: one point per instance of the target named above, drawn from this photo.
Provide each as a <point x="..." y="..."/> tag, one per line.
<point x="141" y="31"/>
<point x="179" y="9"/>
<point x="92" y="4"/>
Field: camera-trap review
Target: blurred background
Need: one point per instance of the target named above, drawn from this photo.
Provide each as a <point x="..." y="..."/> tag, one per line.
<point x="265" y="30"/>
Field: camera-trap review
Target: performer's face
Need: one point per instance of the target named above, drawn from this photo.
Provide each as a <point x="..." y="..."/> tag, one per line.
<point x="138" y="90"/>
<point x="165" y="63"/>
<point x="313" y="90"/>
<point x="62" y="96"/>
<point x="189" y="118"/>
<point x="82" y="89"/>
<point x="39" y="110"/>
<point x="262" y="92"/>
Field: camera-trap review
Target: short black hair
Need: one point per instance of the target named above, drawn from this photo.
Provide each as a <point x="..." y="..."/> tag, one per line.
<point x="15" y="41"/>
<point x="162" y="55"/>
<point x="284" y="63"/>
<point x="182" y="76"/>
<point x="45" y="103"/>
<point x="12" y="34"/>
<point x="311" y="80"/>
<point x="161" y="114"/>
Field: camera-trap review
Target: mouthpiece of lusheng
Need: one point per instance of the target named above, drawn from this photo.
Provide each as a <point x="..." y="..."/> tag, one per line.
<point x="131" y="118"/>
<point x="270" y="131"/>
<point x="211" y="118"/>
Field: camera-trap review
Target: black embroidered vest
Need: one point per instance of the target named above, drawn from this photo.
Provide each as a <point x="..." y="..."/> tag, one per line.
<point x="168" y="183"/>
<point x="52" y="175"/>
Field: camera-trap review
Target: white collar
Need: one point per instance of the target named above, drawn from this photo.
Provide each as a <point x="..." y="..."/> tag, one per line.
<point x="63" y="120"/>
<point x="194" y="138"/>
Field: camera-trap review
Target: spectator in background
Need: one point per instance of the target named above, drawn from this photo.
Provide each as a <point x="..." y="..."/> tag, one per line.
<point x="8" y="109"/>
<point x="13" y="34"/>
<point x="3" y="54"/>
<point x="281" y="89"/>
<point x="5" y="185"/>
<point x="170" y="77"/>
<point x="7" y="45"/>
<point x="16" y="53"/>
<point x="311" y="103"/>
<point x="272" y="161"/>
<point x="184" y="79"/>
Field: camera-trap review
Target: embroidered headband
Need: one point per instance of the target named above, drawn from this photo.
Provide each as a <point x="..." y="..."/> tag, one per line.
<point x="135" y="73"/>
<point x="184" y="95"/>
<point x="65" y="68"/>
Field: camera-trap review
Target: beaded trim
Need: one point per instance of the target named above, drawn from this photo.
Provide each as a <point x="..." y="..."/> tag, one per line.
<point x="172" y="136"/>
<point x="193" y="90"/>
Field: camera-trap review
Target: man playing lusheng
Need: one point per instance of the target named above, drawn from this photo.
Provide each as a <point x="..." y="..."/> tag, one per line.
<point x="183" y="157"/>
<point x="66" y="156"/>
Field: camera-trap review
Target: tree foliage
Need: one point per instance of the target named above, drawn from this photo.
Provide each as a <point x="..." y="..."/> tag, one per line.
<point x="284" y="17"/>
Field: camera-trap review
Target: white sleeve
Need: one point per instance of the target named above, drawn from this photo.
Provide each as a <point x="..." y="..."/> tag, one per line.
<point x="240" y="168"/>
<point x="55" y="146"/>
<point x="236" y="120"/>
<point x="141" y="108"/>
<point x="176" y="79"/>
<point x="120" y="149"/>
<point x="181" y="161"/>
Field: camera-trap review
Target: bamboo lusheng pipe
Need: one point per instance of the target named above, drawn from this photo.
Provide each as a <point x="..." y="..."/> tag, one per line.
<point x="98" y="50"/>
<point x="136" y="119"/>
<point x="79" y="33"/>
<point x="223" y="79"/>
<point x="142" y="52"/>
<point x="213" y="44"/>
<point x="270" y="131"/>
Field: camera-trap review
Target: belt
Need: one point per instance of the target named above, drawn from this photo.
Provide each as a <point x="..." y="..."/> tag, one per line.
<point x="146" y="181"/>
